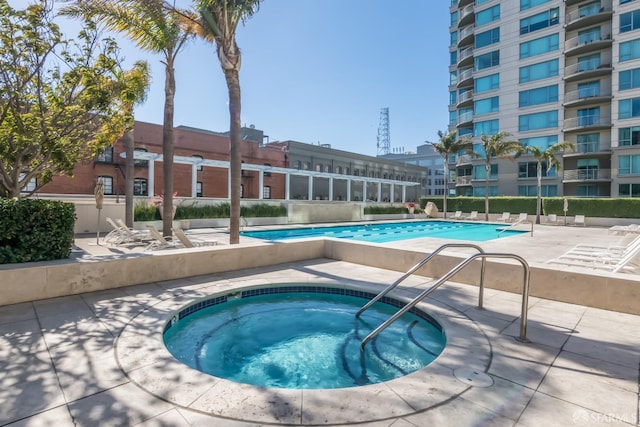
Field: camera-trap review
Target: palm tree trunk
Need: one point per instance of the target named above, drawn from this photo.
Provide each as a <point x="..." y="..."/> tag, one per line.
<point x="167" y="147"/>
<point x="233" y="86"/>
<point x="486" y="190"/>
<point x="446" y="187"/>
<point x="129" y="170"/>
<point x="539" y="196"/>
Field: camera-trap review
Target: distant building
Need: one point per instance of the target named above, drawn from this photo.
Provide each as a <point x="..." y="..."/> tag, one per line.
<point x="427" y="157"/>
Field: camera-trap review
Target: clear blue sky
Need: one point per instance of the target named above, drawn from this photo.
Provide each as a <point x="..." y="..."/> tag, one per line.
<point x="320" y="71"/>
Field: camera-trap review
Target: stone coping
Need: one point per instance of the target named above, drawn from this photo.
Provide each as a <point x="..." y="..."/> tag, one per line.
<point x="143" y="357"/>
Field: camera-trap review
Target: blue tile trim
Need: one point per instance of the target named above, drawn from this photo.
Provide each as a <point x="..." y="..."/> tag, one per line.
<point x="295" y="289"/>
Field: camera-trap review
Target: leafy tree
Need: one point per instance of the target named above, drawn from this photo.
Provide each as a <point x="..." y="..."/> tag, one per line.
<point x="156" y="29"/>
<point x="548" y="156"/>
<point x="447" y="146"/>
<point x="60" y="100"/>
<point x="496" y="146"/>
<point x="220" y="18"/>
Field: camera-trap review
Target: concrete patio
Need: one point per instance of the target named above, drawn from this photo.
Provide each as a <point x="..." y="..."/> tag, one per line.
<point x="65" y="361"/>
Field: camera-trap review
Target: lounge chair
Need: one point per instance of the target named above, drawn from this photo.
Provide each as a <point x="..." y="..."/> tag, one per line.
<point x="506" y="216"/>
<point x="133" y="234"/>
<point x="593" y="253"/>
<point x="551" y="219"/>
<point x="457" y="215"/>
<point x="521" y="218"/>
<point x="159" y="241"/>
<point x="473" y="216"/>
<point x="605" y="262"/>
<point x="192" y="242"/>
<point x="578" y="220"/>
<point x="624" y="229"/>
<point x="121" y="234"/>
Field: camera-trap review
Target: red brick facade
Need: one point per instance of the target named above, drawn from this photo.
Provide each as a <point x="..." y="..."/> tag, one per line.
<point x="188" y="142"/>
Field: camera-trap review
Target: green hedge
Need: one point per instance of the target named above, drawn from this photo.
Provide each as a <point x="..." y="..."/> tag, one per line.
<point x="590" y="207"/>
<point x="35" y="230"/>
<point x="146" y="212"/>
<point x="388" y="210"/>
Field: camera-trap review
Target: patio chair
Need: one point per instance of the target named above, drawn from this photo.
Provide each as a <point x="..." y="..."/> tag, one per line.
<point x="159" y="241"/>
<point x="192" y="242"/>
<point x="506" y="216"/>
<point x="578" y="220"/>
<point x="521" y="218"/>
<point x="551" y="219"/>
<point x="611" y="262"/>
<point x="457" y="215"/>
<point x="624" y="229"/>
<point x="473" y="216"/>
<point x="132" y="234"/>
<point x="121" y="234"/>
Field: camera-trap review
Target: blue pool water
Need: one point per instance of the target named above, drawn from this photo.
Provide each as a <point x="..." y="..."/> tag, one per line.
<point x="302" y="337"/>
<point x="392" y="231"/>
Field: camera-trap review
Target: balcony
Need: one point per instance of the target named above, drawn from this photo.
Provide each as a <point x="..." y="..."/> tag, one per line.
<point x="463" y="3"/>
<point x="591" y="122"/>
<point x="586" y="96"/>
<point x="466" y="16"/>
<point x="590" y="149"/>
<point x="465" y="36"/>
<point x="589" y="69"/>
<point x="586" y="16"/>
<point x="465" y="119"/>
<point x="465" y="98"/>
<point x="463" y="159"/>
<point x="582" y="175"/>
<point x="463" y="180"/>
<point x="465" y="78"/>
<point x="580" y="44"/>
<point x="465" y="57"/>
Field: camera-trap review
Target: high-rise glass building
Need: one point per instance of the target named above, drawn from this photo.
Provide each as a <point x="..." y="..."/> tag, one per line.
<point x="548" y="71"/>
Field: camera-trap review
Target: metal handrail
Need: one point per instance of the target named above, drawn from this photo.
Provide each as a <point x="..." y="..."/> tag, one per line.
<point x="443" y="279"/>
<point x="417" y="266"/>
<point x="517" y="222"/>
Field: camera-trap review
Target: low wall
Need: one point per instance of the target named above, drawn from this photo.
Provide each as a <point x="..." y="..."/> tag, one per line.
<point x="323" y="211"/>
<point x="34" y="281"/>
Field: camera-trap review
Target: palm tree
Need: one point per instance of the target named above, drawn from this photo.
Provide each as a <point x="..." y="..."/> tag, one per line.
<point x="548" y="156"/>
<point x="447" y="146"/>
<point x="154" y="29"/>
<point x="220" y="18"/>
<point x="496" y="146"/>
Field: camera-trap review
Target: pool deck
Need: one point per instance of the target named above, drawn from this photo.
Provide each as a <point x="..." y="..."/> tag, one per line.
<point x="89" y="360"/>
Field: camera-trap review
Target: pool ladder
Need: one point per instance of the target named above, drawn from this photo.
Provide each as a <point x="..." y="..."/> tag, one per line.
<point x="481" y="255"/>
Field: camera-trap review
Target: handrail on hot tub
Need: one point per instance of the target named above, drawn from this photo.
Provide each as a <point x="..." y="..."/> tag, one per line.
<point x="447" y="276"/>
<point x="420" y="264"/>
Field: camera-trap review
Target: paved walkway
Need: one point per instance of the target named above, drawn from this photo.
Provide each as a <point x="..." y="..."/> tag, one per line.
<point x="61" y="365"/>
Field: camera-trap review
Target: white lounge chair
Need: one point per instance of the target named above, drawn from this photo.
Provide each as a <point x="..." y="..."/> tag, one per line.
<point x="159" y="241"/>
<point x="192" y="242"/>
<point x="578" y="220"/>
<point x="133" y="234"/>
<point x="624" y="229"/>
<point x="506" y="216"/>
<point x="609" y="262"/>
<point x="121" y="234"/>
<point x="473" y="216"/>
<point x="522" y="217"/>
<point x="457" y="215"/>
<point x="551" y="219"/>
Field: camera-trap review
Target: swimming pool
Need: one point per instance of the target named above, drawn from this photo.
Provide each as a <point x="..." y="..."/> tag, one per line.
<point x="301" y="337"/>
<point x="392" y="231"/>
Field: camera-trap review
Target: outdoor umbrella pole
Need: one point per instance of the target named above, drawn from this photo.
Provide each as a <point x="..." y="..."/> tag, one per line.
<point x="99" y="195"/>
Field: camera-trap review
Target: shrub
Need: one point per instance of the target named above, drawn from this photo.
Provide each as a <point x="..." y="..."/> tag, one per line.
<point x="145" y="212"/>
<point x="35" y="230"/>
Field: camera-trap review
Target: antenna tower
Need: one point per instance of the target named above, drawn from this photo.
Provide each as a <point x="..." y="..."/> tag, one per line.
<point x="384" y="142"/>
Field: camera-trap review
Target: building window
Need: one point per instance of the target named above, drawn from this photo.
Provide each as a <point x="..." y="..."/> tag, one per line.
<point x="327" y="168"/>
<point x="265" y="172"/>
<point x="541" y="95"/>
<point x="545" y="119"/>
<point x="589" y="116"/>
<point x="106" y="156"/>
<point x="487" y="15"/>
<point x="241" y="191"/>
<point x="587" y="190"/>
<point x="266" y="192"/>
<point x="298" y="165"/>
<point x="480" y="172"/>
<point x="31" y="185"/>
<point x="589" y="62"/>
<point x="630" y="21"/>
<point x="629" y="165"/>
<point x="453" y="78"/>
<point x="589" y="36"/>
<point x="486" y="83"/>
<point x="589" y="89"/>
<point x="489" y="127"/>
<point x="339" y="169"/>
<point x="485" y="106"/>
<point x="588" y="143"/>
<point x="454" y="18"/>
<point x="629" y="190"/>
<point x="539" y="46"/>
<point x="454" y="38"/>
<point x="480" y="191"/>
<point x="542" y="142"/>
<point x="629" y="136"/>
<point x="528" y="4"/>
<point x="306" y="166"/>
<point x="628" y="108"/>
<point x="140" y="187"/>
<point x="540" y="21"/>
<point x="143" y="163"/>
<point x="539" y="71"/>
<point x="108" y="184"/>
<point x="199" y="192"/>
<point x="487" y="38"/>
<point x="629" y="79"/>
<point x="452" y="97"/>
<point x="530" y="170"/>
<point x="629" y="50"/>
<point x="532" y="190"/>
<point x="487" y="60"/>
<point x="453" y="57"/>
<point x="198" y="157"/>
